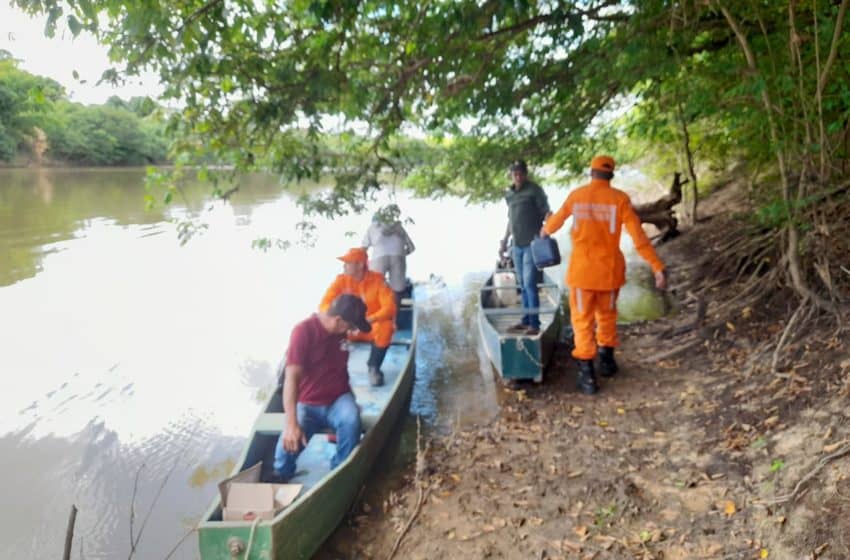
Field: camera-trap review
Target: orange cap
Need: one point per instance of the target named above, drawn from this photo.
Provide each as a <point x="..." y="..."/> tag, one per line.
<point x="602" y="163"/>
<point x="355" y="254"/>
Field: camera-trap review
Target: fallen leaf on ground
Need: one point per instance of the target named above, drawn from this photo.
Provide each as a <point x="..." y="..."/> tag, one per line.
<point x="770" y="422"/>
<point x="729" y="508"/>
<point x="581" y="531"/>
<point x="833" y="446"/>
<point x="764" y="553"/>
<point x="714" y="549"/>
<point x="570" y="545"/>
<point x="605" y="541"/>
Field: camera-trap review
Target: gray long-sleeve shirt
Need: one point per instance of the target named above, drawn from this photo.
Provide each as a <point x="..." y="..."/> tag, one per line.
<point x="527" y="208"/>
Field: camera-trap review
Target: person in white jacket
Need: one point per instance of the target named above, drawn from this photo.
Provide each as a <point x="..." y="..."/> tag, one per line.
<point x="390" y="245"/>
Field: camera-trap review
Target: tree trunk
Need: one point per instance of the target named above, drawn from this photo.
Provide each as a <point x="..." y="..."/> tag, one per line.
<point x="660" y="213"/>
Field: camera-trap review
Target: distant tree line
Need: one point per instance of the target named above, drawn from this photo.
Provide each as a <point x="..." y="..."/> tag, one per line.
<point x="39" y="123"/>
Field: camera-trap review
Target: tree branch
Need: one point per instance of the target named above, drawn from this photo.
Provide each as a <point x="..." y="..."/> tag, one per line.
<point x="833" y="49"/>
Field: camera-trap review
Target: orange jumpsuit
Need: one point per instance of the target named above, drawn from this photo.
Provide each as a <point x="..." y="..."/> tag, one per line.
<point x="597" y="268"/>
<point x="380" y="304"/>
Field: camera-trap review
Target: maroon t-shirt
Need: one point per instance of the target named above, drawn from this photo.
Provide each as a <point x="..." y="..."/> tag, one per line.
<point x="323" y="358"/>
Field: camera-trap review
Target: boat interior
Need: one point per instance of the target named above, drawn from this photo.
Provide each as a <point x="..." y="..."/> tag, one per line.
<point x="501" y="304"/>
<point x="314" y="462"/>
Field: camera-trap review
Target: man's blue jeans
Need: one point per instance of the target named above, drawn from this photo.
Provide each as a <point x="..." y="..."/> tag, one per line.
<point x="526" y="275"/>
<point x="342" y="416"/>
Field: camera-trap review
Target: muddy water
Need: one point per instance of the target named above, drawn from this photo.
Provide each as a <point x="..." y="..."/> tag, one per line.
<point x="132" y="367"/>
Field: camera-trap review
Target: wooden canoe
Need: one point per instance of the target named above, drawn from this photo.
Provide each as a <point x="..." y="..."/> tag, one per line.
<point x="518" y="356"/>
<point x="299" y="529"/>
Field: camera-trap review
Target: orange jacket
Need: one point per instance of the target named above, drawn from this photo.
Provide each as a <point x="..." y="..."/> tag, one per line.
<point x="379" y="298"/>
<point x="599" y="212"/>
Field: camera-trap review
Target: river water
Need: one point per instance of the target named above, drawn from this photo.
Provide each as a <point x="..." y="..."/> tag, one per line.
<point x="132" y="367"/>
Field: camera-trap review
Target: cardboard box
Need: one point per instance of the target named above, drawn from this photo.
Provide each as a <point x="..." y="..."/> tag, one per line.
<point x="245" y="498"/>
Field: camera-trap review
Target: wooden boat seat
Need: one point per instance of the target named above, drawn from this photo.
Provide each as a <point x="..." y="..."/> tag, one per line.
<point x="518" y="310"/>
<point x="516" y="287"/>
<point x="271" y="423"/>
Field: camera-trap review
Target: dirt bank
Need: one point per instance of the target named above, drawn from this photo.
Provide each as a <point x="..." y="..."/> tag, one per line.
<point x="708" y="444"/>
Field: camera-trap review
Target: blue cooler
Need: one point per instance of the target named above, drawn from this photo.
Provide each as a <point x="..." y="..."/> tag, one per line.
<point x="545" y="252"/>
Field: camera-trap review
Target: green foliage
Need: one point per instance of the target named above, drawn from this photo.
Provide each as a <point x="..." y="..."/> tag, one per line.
<point x="24" y="98"/>
<point x="116" y="133"/>
<point x="109" y="134"/>
<point x="604" y="515"/>
<point x="309" y="89"/>
<point x="759" y="443"/>
<point x="773" y="213"/>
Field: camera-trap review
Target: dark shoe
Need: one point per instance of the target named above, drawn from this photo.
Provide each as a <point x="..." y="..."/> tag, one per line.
<point x="376" y="377"/>
<point x="376" y="356"/>
<point x="278" y="478"/>
<point x="586" y="382"/>
<point x="607" y="363"/>
<point x="517" y="329"/>
<point x="532" y="331"/>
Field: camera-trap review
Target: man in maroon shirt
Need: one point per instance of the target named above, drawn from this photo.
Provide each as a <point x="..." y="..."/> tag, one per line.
<point x="316" y="383"/>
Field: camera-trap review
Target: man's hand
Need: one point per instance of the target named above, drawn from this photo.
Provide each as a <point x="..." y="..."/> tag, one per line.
<point x="661" y="279"/>
<point x="294" y="438"/>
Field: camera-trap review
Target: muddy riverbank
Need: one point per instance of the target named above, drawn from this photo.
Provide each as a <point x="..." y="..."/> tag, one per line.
<point x="708" y="444"/>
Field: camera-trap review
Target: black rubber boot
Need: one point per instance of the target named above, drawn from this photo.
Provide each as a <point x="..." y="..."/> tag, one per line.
<point x="607" y="363"/>
<point x="586" y="381"/>
<point x="376" y="358"/>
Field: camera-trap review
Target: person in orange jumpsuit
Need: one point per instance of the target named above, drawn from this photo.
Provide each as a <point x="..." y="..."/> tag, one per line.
<point x="597" y="268"/>
<point x="371" y="287"/>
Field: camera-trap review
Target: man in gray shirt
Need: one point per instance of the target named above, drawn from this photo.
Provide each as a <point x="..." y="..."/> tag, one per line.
<point x="528" y="207"/>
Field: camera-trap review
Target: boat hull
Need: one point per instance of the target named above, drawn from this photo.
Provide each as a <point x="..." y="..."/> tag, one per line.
<point x="519" y="356"/>
<point x="299" y="530"/>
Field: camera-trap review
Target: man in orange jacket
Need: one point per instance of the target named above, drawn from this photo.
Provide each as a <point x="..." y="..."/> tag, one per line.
<point x="370" y="286"/>
<point x="597" y="267"/>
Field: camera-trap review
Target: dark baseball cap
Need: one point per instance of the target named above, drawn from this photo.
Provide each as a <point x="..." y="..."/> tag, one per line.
<point x="519" y="165"/>
<point x="352" y="309"/>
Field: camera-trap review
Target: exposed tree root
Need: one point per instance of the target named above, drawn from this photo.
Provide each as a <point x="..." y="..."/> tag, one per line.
<point x="809" y="475"/>
<point x="421" y="483"/>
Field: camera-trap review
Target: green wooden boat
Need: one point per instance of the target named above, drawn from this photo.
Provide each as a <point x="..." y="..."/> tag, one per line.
<point x="299" y="529"/>
<point x="518" y="356"/>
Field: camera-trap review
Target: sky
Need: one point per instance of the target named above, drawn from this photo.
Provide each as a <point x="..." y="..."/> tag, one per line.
<point x="59" y="56"/>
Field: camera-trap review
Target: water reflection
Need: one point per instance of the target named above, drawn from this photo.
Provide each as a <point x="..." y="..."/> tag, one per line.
<point x="127" y="357"/>
<point x="40" y="208"/>
<point x="454" y="381"/>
